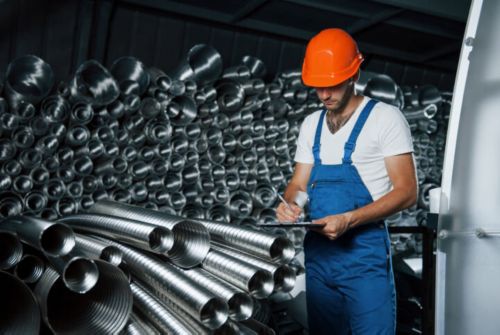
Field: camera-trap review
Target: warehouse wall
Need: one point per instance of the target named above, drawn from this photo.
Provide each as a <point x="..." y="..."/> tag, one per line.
<point x="64" y="33"/>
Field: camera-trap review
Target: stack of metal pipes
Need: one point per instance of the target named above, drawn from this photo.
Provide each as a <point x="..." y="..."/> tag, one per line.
<point x="120" y="268"/>
<point x="202" y="142"/>
<point x="427" y="111"/>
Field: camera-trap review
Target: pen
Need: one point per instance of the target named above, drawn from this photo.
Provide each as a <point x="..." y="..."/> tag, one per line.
<point x="284" y="201"/>
<point x="281" y="197"/>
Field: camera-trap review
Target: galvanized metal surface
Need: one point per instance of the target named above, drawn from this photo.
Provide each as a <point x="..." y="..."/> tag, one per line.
<point x="19" y="309"/>
<point x="67" y="312"/>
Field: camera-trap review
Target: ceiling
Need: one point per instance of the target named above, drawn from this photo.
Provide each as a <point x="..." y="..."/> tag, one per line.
<point x="424" y="32"/>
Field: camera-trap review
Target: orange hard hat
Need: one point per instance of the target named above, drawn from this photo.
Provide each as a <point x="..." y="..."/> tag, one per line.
<point x="332" y="57"/>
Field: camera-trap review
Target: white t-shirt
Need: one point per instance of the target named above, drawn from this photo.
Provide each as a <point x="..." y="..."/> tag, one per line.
<point x="385" y="133"/>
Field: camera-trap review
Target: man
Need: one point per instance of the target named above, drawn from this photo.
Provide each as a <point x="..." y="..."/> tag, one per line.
<point x="354" y="159"/>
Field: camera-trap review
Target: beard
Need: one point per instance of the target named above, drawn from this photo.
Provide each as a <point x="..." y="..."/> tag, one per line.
<point x="342" y="104"/>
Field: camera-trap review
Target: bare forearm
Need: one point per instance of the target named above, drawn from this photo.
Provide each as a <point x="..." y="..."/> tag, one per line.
<point x="392" y="202"/>
<point x="291" y="190"/>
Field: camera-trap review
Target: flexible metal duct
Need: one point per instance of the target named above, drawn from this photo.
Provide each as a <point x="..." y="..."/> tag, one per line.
<point x="203" y="64"/>
<point x="55" y="109"/>
<point x="274" y="248"/>
<point x="191" y="240"/>
<point x="7" y="150"/>
<point x="11" y="250"/>
<point x="240" y="205"/>
<point x="428" y="94"/>
<point x="137" y="325"/>
<point x="81" y="113"/>
<point x="428" y="126"/>
<point x="94" y="84"/>
<point x="171" y="282"/>
<point x="182" y="109"/>
<point x="383" y="88"/>
<point x="79" y="274"/>
<point x="283" y="275"/>
<point x="240" y="304"/>
<point x="238" y="73"/>
<point x="67" y="312"/>
<point x="139" y="234"/>
<point x="19" y="309"/>
<point x="258" y="282"/>
<point x="98" y="250"/>
<point x="27" y="79"/>
<point x="54" y="239"/>
<point x="134" y="328"/>
<point x="255" y="65"/>
<point x="30" y="269"/>
<point x="40" y="175"/>
<point x="156" y="312"/>
<point x="217" y="212"/>
<point x="426" y="112"/>
<point x="230" y="96"/>
<point x="23" y="137"/>
<point x="127" y="70"/>
<point x="297" y="267"/>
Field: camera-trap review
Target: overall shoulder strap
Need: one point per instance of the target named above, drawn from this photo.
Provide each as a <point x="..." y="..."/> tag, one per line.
<point x="317" y="138"/>
<point x="351" y="142"/>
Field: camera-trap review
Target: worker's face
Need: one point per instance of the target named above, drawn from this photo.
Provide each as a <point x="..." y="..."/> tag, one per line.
<point x="336" y="98"/>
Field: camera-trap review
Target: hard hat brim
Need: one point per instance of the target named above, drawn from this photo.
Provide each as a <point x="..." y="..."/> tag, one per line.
<point x="332" y="79"/>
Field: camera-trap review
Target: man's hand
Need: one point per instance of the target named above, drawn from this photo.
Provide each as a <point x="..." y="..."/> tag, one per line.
<point x="335" y="225"/>
<point x="286" y="214"/>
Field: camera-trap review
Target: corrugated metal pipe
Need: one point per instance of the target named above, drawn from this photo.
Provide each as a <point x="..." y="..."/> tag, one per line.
<point x="54" y="239"/>
<point x="191" y="239"/>
<point x="283" y="275"/>
<point x="277" y="249"/>
<point x="139" y="234"/>
<point x="79" y="274"/>
<point x="156" y="312"/>
<point x="239" y="302"/>
<point x="172" y="283"/>
<point x="30" y="269"/>
<point x="19" y="309"/>
<point x="259" y="283"/>
<point x="11" y="250"/>
<point x="67" y="312"/>
<point x="98" y="250"/>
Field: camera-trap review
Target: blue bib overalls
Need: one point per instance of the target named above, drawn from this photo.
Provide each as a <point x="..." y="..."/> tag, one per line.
<point x="349" y="281"/>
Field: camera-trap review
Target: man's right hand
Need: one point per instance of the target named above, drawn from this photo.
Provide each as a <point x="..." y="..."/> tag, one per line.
<point x="286" y="214"/>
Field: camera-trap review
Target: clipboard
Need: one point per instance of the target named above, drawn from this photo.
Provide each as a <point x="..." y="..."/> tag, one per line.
<point x="292" y="224"/>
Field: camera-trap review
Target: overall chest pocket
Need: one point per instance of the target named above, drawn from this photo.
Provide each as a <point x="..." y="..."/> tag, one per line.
<point x="329" y="197"/>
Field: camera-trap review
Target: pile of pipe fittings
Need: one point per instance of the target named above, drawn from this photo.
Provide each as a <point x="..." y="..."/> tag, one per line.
<point x="120" y="268"/>
<point x="427" y="111"/>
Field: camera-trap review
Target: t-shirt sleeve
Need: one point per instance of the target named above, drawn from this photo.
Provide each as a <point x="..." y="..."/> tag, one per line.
<point x="395" y="134"/>
<point x="304" y="153"/>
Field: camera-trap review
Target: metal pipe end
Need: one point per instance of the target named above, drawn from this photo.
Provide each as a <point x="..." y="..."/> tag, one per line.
<point x="284" y="278"/>
<point x="240" y="306"/>
<point x="214" y="313"/>
<point x="11" y="250"/>
<point x="80" y="275"/>
<point x="57" y="240"/>
<point x="30" y="269"/>
<point x="161" y="240"/>
<point x="261" y="285"/>
<point x="65" y="311"/>
<point x="282" y="250"/>
<point x="112" y="255"/>
<point x="191" y="244"/>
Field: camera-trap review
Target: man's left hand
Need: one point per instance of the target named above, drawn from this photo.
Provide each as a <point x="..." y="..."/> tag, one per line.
<point x="335" y="225"/>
